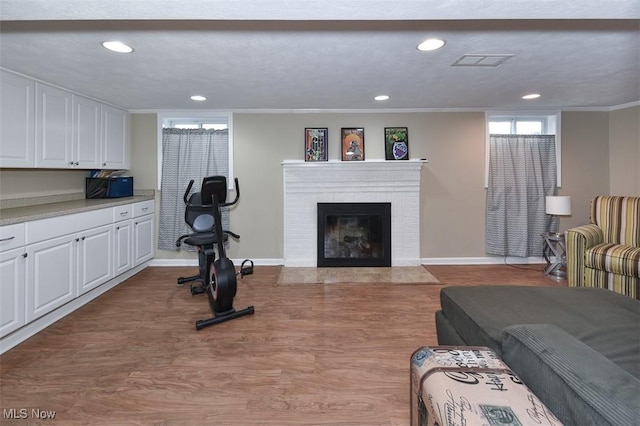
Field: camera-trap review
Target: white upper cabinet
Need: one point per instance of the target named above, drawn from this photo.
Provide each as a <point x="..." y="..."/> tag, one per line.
<point x="87" y="133"/>
<point x="54" y="142"/>
<point x="17" y="120"/>
<point x="44" y="126"/>
<point x="115" y="135"/>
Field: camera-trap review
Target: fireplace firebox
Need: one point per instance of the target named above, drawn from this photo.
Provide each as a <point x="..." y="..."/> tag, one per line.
<point x="354" y="234"/>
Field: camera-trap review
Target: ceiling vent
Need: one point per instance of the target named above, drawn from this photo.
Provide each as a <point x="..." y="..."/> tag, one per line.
<point x="480" y="60"/>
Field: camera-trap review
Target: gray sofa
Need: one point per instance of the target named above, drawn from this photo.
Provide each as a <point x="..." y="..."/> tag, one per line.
<point x="577" y="349"/>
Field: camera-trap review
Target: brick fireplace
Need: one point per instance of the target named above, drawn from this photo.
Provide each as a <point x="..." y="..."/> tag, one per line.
<point x="308" y="183"/>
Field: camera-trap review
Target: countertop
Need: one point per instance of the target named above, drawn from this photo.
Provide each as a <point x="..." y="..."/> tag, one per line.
<point x="10" y="216"/>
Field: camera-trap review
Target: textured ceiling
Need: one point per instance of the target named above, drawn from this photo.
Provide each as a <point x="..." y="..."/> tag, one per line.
<point x="295" y="54"/>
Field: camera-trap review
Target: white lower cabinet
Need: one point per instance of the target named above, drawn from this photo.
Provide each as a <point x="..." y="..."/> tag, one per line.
<point x="142" y="239"/>
<point x="12" y="291"/>
<point x="143" y="232"/>
<point x="123" y="244"/>
<point x="51" y="275"/>
<point x="95" y="258"/>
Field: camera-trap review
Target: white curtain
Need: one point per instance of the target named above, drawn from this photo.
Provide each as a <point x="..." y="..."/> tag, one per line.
<point x="522" y="171"/>
<point x="188" y="154"/>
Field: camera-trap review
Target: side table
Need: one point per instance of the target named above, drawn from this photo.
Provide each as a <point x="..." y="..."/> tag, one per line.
<point x="555" y="254"/>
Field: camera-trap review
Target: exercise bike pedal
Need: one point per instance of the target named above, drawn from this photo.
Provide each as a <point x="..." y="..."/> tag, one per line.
<point x="198" y="289"/>
<point x="246" y="270"/>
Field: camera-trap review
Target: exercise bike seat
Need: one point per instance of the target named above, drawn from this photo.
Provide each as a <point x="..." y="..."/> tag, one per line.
<point x="202" y="239"/>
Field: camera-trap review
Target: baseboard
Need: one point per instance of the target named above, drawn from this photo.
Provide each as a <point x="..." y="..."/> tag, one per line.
<point x="194" y="262"/>
<point x="489" y="260"/>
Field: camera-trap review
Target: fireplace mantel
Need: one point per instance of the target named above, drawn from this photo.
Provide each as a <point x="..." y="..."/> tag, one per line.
<point x="308" y="183"/>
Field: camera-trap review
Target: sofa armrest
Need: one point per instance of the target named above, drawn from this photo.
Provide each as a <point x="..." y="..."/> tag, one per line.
<point x="578" y="384"/>
<point x="578" y="240"/>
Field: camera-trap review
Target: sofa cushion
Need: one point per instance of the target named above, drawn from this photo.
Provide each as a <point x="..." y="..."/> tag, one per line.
<point x="614" y="258"/>
<point x="480" y="313"/>
<point x="578" y="384"/>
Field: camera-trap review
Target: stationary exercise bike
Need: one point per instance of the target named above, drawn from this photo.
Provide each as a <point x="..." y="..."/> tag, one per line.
<point x="216" y="277"/>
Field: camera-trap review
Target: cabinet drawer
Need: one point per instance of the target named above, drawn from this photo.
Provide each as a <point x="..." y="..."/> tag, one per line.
<point x="12" y="236"/>
<point x="145" y="207"/>
<point x="122" y="212"/>
<point x="44" y="229"/>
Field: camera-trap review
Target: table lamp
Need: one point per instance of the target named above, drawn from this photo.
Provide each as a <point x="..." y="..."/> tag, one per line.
<point x="555" y="249"/>
<point x="558" y="205"/>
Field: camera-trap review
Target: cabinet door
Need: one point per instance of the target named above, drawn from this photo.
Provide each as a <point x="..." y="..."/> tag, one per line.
<point x="95" y="258"/>
<point x="17" y="121"/>
<point x="115" y="138"/>
<point x="142" y="239"/>
<point x="51" y="275"/>
<point x="12" y="291"/>
<point x="53" y="128"/>
<point x="123" y="247"/>
<point x="86" y="132"/>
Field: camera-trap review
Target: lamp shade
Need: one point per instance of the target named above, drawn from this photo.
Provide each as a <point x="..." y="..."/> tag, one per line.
<point x="558" y="205"/>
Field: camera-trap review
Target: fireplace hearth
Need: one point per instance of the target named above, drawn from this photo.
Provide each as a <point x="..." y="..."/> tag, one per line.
<point x="354" y="234"/>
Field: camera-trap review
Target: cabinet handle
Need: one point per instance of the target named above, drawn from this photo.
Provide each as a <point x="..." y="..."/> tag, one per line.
<point x="76" y="163"/>
<point x="25" y="255"/>
<point x="77" y="239"/>
<point x="83" y="238"/>
<point x="104" y="164"/>
<point x="117" y="228"/>
<point x="123" y="214"/>
<point x="144" y="209"/>
<point x="7" y="239"/>
<point x="71" y="163"/>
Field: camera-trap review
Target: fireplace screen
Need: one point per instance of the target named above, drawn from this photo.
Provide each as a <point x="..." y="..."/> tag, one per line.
<point x="354" y="234"/>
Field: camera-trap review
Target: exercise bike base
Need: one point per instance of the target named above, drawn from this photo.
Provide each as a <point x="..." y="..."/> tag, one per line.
<point x="222" y="318"/>
<point x="183" y="280"/>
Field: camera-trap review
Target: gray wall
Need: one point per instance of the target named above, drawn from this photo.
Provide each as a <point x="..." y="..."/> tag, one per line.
<point x="624" y="151"/>
<point x="453" y="193"/>
<point x="600" y="153"/>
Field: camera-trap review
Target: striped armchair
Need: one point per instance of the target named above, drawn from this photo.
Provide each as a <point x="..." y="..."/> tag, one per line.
<point x="606" y="252"/>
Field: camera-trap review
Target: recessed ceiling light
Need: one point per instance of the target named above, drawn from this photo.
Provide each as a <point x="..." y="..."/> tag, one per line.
<point x="198" y="98"/>
<point x="381" y="98"/>
<point x="431" y="44"/>
<point x="117" y="46"/>
<point x="531" y="96"/>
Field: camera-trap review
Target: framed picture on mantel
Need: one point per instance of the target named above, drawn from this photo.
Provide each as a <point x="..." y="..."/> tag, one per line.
<point x="352" y="144"/>
<point x="396" y="143"/>
<point x="315" y="144"/>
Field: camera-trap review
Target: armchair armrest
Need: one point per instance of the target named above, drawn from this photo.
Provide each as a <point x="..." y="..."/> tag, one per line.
<point x="578" y="240"/>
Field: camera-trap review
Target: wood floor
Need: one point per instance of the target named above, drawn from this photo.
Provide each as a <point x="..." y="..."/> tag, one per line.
<point x="335" y="354"/>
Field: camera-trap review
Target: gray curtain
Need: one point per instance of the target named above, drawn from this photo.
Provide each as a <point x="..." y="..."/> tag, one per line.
<point x="522" y="171"/>
<point x="188" y="154"/>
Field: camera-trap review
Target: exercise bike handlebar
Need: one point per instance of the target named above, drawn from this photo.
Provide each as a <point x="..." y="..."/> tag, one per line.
<point x="185" y="197"/>
<point x="235" y="200"/>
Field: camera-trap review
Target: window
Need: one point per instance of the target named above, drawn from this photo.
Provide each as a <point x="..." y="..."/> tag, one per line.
<point x="518" y="123"/>
<point x="209" y="124"/>
<point x="521" y="125"/>
<point x="190" y="148"/>
<point x="210" y="120"/>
